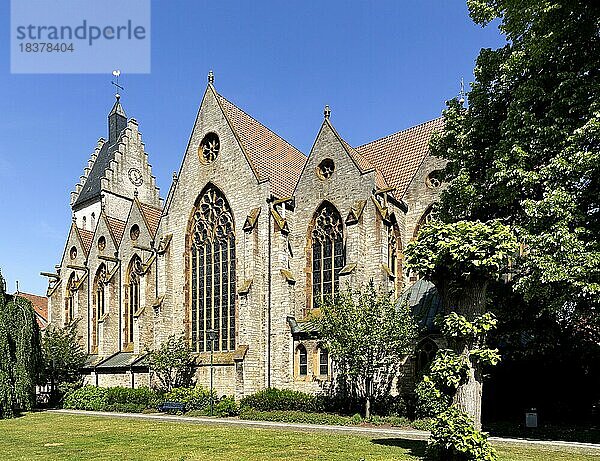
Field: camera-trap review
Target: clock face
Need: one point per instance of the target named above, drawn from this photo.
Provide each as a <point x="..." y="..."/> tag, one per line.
<point x="135" y="176"/>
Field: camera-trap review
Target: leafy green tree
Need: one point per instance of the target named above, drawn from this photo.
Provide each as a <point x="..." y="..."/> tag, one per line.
<point x="63" y="357"/>
<point x="20" y="355"/>
<point x="527" y="150"/>
<point x="461" y="259"/>
<point x="368" y="336"/>
<point x="173" y="363"/>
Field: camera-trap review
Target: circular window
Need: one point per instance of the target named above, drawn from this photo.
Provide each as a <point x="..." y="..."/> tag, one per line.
<point x="134" y="232"/>
<point x="209" y="148"/>
<point x="73" y="253"/>
<point x="434" y="179"/>
<point x="325" y="169"/>
<point x="101" y="243"/>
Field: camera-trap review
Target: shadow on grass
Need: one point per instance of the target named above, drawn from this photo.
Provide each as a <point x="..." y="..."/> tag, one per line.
<point x="414" y="447"/>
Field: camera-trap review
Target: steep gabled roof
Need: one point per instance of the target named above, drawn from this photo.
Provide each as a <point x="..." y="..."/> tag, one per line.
<point x="152" y="216"/>
<point x="399" y="155"/>
<point x="87" y="237"/>
<point x="271" y="157"/>
<point x="117" y="228"/>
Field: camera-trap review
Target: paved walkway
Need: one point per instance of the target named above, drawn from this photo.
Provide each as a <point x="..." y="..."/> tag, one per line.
<point x="410" y="434"/>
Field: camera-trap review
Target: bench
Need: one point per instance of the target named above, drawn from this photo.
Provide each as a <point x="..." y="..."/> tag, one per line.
<point x="168" y="407"/>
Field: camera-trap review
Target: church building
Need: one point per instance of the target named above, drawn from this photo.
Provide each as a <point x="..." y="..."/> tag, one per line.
<point x="249" y="238"/>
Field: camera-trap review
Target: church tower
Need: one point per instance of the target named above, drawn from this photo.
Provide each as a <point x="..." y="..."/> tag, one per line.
<point x="118" y="169"/>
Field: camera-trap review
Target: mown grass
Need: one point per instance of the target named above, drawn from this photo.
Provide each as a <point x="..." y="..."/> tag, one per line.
<point x="52" y="436"/>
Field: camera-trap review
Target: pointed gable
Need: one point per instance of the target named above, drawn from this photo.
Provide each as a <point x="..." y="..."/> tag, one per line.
<point x="398" y="156"/>
<point x="86" y="237"/>
<point x="117" y="229"/>
<point x="271" y="157"/>
<point x="152" y="217"/>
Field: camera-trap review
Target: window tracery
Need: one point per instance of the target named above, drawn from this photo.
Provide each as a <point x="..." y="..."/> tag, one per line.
<point x="212" y="257"/>
<point x="328" y="252"/>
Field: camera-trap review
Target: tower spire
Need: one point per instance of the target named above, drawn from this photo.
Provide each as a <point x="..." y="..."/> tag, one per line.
<point x="117" y="119"/>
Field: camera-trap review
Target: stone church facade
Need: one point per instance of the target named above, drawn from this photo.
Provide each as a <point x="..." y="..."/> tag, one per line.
<point x="252" y="234"/>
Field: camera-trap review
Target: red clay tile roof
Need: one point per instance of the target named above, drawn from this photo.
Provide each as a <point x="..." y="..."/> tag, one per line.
<point x="40" y="305"/>
<point x="271" y="157"/>
<point x="152" y="216"/>
<point x="399" y="155"/>
<point x="86" y="238"/>
<point x="117" y="228"/>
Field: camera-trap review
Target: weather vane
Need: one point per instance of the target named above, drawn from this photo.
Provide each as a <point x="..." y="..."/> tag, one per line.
<point x="118" y="87"/>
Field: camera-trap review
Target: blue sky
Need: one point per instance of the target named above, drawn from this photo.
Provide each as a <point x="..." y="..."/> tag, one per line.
<point x="382" y="66"/>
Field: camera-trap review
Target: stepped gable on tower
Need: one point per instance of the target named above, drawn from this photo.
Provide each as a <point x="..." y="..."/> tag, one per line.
<point x="117" y="122"/>
<point x="271" y="157"/>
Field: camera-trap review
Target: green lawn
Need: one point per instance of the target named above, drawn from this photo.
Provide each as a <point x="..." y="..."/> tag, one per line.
<point x="61" y="437"/>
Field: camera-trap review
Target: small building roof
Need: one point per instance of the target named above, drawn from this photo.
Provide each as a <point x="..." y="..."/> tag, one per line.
<point x="425" y="303"/>
<point x="40" y="306"/>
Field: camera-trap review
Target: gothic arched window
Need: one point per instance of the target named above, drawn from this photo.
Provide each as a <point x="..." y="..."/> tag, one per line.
<point x="425" y="353"/>
<point x="212" y="261"/>
<point x="98" y="307"/>
<point x="70" y="299"/>
<point x="328" y="253"/>
<point x="133" y="292"/>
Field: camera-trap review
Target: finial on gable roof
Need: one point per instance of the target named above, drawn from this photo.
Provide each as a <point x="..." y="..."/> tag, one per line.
<point x="327" y="111"/>
<point x="211" y="77"/>
<point x="135" y="192"/>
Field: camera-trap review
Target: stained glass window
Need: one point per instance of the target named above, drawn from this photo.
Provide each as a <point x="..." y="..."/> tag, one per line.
<point x="212" y="261"/>
<point x="328" y="253"/>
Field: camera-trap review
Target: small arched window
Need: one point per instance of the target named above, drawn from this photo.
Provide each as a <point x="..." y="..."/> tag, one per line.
<point x="70" y="299"/>
<point x="302" y="361"/>
<point x="425" y="354"/>
<point x="323" y="361"/>
<point x="133" y="277"/>
<point x="84" y="222"/>
<point x="328" y="252"/>
<point x="93" y="221"/>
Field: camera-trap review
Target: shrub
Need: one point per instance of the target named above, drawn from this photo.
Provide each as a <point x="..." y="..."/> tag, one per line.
<point x="86" y="398"/>
<point x="122" y="399"/>
<point x="195" y="398"/>
<point x="143" y="397"/>
<point x="296" y="417"/>
<point x="430" y="400"/>
<point x="227" y="406"/>
<point x="423" y="424"/>
<point x="283" y="399"/>
<point x="454" y="438"/>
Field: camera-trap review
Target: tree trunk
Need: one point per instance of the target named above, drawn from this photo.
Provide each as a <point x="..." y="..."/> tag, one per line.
<point x="470" y="302"/>
<point x="368" y="398"/>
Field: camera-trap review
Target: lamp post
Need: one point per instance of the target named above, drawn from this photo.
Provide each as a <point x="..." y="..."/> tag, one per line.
<point x="212" y="335"/>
